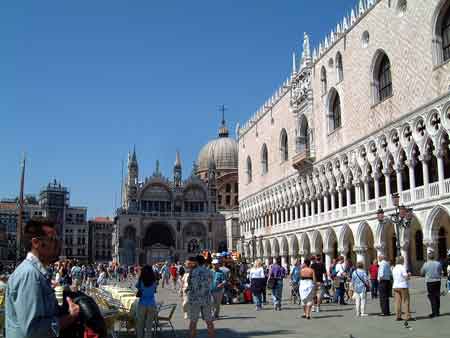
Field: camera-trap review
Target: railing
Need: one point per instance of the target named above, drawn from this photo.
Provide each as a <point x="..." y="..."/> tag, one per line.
<point x="406" y="196"/>
<point x="420" y="193"/>
<point x="447" y="186"/>
<point x="434" y="189"/>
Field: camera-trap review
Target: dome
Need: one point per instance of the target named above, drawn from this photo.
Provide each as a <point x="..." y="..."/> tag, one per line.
<point x="223" y="151"/>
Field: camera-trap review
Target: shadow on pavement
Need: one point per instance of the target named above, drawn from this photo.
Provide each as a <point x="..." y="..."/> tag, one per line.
<point x="427" y="317"/>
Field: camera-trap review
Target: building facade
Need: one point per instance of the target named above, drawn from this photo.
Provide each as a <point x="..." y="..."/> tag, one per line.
<point x="76" y="233"/>
<point x="100" y="239"/>
<point x="164" y="219"/>
<point x="364" y="115"/>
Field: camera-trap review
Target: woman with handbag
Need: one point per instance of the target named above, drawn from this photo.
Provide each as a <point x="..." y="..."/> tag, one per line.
<point x="146" y="311"/>
<point x="257" y="283"/>
<point x="275" y="282"/>
<point x="360" y="283"/>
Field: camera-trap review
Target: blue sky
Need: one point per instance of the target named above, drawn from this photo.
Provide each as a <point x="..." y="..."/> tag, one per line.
<point x="82" y="81"/>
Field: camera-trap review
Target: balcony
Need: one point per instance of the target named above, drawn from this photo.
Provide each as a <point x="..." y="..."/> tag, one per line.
<point x="302" y="159"/>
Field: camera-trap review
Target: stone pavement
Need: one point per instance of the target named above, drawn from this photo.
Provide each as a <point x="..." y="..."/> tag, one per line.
<point x="243" y="321"/>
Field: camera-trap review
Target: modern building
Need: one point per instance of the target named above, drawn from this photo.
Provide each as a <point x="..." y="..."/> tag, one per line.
<point x="223" y="152"/>
<point x="164" y="219"/>
<point x="365" y="115"/>
<point x="100" y="239"/>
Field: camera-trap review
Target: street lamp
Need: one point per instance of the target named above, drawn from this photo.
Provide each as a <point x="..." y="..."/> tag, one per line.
<point x="401" y="218"/>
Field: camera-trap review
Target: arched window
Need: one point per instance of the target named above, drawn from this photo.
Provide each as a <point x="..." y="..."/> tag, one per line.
<point x="323" y="80"/>
<point x="284" y="145"/>
<point x="249" y="170"/>
<point x="382" y="79"/>
<point x="264" y="160"/>
<point x="446" y="35"/>
<point x="339" y="68"/>
<point x="334" y="114"/>
<point x="441" y="34"/>
<point x="419" y="245"/>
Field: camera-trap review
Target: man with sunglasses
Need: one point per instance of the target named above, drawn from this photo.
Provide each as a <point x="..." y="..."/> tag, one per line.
<point x="31" y="306"/>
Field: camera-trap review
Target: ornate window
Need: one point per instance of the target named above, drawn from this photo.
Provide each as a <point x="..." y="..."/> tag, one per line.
<point x="264" y="160"/>
<point x="339" y="68"/>
<point x="284" y="149"/>
<point x="446" y="35"/>
<point x="384" y="79"/>
<point x="249" y="170"/>
<point x="381" y="84"/>
<point x="323" y="80"/>
<point x="334" y="114"/>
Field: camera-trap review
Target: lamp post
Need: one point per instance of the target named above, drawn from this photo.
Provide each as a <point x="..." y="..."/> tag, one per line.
<point x="401" y="218"/>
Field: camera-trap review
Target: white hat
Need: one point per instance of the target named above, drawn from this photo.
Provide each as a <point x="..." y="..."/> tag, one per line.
<point x="215" y="261"/>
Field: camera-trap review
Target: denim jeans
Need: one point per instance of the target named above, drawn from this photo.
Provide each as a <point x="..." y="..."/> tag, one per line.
<point x="257" y="299"/>
<point x="277" y="291"/>
<point x="448" y="285"/>
<point x="374" y="288"/>
<point x="340" y="292"/>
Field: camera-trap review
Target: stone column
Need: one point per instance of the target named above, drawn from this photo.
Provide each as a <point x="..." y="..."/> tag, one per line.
<point x="284" y="261"/>
<point x="398" y="173"/>
<point x="328" y="259"/>
<point x="333" y="200"/>
<point x="319" y="204"/>
<point x="440" y="162"/>
<point x="404" y="251"/>
<point x="267" y="261"/>
<point x="313" y="207"/>
<point x="412" y="180"/>
<point x="358" y="196"/>
<point x="274" y="260"/>
<point x="307" y="209"/>
<point x="366" y="189"/>
<point x="431" y="247"/>
<point x="381" y="249"/>
<point x="426" y="177"/>
<point x="325" y="202"/>
<point x="302" y="213"/>
<point x="276" y="217"/>
<point x="376" y="183"/>
<point x="387" y="183"/>
<point x="361" y="255"/>
<point x="348" y="195"/>
<point x="296" y="215"/>
<point x="341" y="202"/>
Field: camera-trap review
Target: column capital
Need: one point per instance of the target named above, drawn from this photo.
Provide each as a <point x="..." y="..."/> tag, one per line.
<point x="360" y="249"/>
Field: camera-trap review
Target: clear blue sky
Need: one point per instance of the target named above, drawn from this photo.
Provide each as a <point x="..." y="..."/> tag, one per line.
<point x="82" y="81"/>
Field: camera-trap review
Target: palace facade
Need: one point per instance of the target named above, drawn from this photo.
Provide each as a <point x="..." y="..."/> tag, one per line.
<point x="363" y="115"/>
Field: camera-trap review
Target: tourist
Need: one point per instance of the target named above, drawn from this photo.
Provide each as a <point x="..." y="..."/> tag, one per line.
<point x="165" y="274"/>
<point x="217" y="287"/>
<point x="307" y="284"/>
<point x="295" y="281"/>
<point x="3" y="282"/>
<point x="373" y="272"/>
<point x="257" y="283"/>
<point x="102" y="277"/>
<point x="360" y="283"/>
<point x="401" y="288"/>
<point x="191" y="263"/>
<point x="275" y="282"/>
<point x="341" y="276"/>
<point x="198" y="294"/>
<point x="432" y="270"/>
<point x="77" y="276"/>
<point x="146" y="311"/>
<point x="174" y="275"/>
<point x="31" y="308"/>
<point x="320" y="271"/>
<point x="384" y="284"/>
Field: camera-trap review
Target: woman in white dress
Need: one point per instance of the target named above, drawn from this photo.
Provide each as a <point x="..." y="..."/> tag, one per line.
<point x="307" y="283"/>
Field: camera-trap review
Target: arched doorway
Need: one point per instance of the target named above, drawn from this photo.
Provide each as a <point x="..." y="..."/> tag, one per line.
<point x="194" y="238"/>
<point x="158" y="243"/>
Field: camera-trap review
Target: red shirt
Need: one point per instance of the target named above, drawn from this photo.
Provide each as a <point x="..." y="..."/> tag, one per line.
<point x="173" y="271"/>
<point x="373" y="271"/>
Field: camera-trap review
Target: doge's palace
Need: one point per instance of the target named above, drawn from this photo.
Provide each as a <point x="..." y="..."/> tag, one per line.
<point x="364" y="114"/>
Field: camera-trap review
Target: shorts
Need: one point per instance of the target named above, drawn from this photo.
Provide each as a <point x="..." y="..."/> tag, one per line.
<point x="195" y="310"/>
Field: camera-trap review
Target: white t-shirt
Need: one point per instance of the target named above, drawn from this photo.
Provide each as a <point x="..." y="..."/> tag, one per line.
<point x="400" y="277"/>
<point x="257" y="273"/>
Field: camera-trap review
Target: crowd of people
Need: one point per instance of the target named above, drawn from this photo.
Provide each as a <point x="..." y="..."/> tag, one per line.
<point x="203" y="282"/>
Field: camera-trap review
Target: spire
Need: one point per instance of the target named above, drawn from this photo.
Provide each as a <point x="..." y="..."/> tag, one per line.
<point x="223" y="130"/>
<point x="157" y="170"/>
<point x="133" y="157"/>
<point x="294" y="67"/>
<point x="177" y="159"/>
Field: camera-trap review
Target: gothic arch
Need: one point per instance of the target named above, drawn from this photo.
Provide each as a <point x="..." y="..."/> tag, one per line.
<point x="438" y="20"/>
<point x="284" y="246"/>
<point x="431" y="226"/>
<point x="284" y="145"/>
<point x="334" y="110"/>
<point x="364" y="235"/>
<point x="317" y="243"/>
<point x="379" y="60"/>
<point x="276" y="247"/>
<point x="249" y="170"/>
<point x="293" y="245"/>
<point x="330" y="239"/>
<point x="267" y="247"/>
<point x="305" y="246"/>
<point x="264" y="159"/>
<point x="346" y="240"/>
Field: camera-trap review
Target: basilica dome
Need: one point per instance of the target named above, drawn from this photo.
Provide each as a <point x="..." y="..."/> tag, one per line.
<point x="223" y="151"/>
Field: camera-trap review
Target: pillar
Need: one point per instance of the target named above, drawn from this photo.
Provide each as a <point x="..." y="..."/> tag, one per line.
<point x="398" y="173"/>
<point x="302" y="213"/>
<point x="276" y="217"/>
<point x="381" y="249"/>
<point x="319" y="204"/>
<point x="284" y="261"/>
<point x="431" y="246"/>
<point x="325" y="202"/>
<point x="328" y="259"/>
<point x="313" y="208"/>
<point x="412" y="180"/>
<point x="404" y="251"/>
<point x="349" y="195"/>
<point x="377" y="186"/>
<point x="267" y="261"/>
<point x="387" y="182"/>
<point x="296" y="215"/>
<point x="426" y="178"/>
<point x="366" y="189"/>
<point x="440" y="163"/>
<point x="307" y="209"/>
<point x="341" y="202"/>
<point x="361" y="255"/>
<point x="333" y="200"/>
<point x="358" y="196"/>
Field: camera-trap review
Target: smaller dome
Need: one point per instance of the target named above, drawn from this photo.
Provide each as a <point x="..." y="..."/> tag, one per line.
<point x="223" y="151"/>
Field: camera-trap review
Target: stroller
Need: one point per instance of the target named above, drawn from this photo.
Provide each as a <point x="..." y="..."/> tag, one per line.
<point x="295" y="294"/>
<point x="326" y="296"/>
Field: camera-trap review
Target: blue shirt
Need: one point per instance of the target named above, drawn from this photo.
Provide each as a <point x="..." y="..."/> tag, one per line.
<point x="384" y="271"/>
<point x="360" y="280"/>
<point x="31" y="307"/>
<point x="148" y="294"/>
<point x="218" y="278"/>
<point x="295" y="275"/>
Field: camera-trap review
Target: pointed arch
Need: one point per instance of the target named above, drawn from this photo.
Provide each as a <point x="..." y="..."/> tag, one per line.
<point x="323" y="80"/>
<point x="275" y="247"/>
<point x="334" y="110"/>
<point x="284" y="145"/>
<point x="284" y="246"/>
<point x="381" y="84"/>
<point x="441" y="32"/>
<point x="330" y="240"/>
<point x="267" y="247"/>
<point x="305" y="244"/>
<point x="431" y="224"/>
<point x="293" y="245"/>
<point x="249" y="170"/>
<point x="346" y="239"/>
<point x="264" y="160"/>
<point x="339" y="67"/>
<point x="316" y="242"/>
